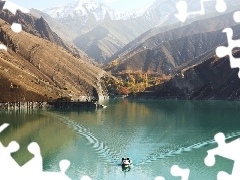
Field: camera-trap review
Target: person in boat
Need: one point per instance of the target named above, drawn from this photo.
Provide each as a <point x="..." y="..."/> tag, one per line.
<point x="126" y="161"/>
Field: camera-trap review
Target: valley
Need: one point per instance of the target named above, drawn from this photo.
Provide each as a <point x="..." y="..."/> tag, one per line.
<point x="86" y="50"/>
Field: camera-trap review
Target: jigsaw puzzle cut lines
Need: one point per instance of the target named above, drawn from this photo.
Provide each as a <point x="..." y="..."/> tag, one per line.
<point x="16" y="27"/>
<point x="3" y="47"/>
<point x="223" y="51"/>
<point x="33" y="169"/>
<point x="86" y="178"/>
<point x="236" y="16"/>
<point x="7" y="163"/>
<point x="226" y="150"/>
<point x="4" y="126"/>
<point x="177" y="172"/>
<point x="182" y="8"/>
<point x="13" y="9"/>
<point x="159" y="178"/>
<point x="221" y="6"/>
<point x="35" y="164"/>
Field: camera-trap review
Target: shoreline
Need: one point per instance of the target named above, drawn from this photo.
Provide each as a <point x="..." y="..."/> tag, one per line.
<point x="24" y="105"/>
<point x="45" y="104"/>
<point x="236" y="99"/>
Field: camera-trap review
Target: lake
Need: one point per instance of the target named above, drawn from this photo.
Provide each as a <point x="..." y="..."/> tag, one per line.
<point x="156" y="134"/>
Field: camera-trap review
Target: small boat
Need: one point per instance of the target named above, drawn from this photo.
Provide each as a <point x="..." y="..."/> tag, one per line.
<point x="126" y="162"/>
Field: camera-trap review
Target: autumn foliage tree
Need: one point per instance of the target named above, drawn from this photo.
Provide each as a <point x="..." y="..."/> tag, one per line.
<point x="132" y="83"/>
<point x="123" y="91"/>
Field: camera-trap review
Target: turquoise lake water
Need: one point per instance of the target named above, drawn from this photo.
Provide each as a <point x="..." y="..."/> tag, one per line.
<point x="156" y="134"/>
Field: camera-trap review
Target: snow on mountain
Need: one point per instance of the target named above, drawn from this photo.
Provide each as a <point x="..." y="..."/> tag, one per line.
<point x="159" y="9"/>
<point x="84" y="7"/>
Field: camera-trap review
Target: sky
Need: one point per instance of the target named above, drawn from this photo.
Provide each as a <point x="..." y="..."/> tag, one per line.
<point x="123" y="5"/>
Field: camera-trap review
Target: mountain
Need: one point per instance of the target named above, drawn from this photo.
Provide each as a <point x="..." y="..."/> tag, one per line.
<point x="165" y="52"/>
<point x="212" y="79"/>
<point x="102" y="41"/>
<point x="102" y="31"/>
<point x="62" y="31"/>
<point x="106" y="30"/>
<point x="85" y="8"/>
<point x="35" y="69"/>
<point x="39" y="27"/>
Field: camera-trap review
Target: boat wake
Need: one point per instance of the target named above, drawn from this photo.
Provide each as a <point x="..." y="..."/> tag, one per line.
<point x="100" y="147"/>
<point x="113" y="157"/>
<point x="161" y="155"/>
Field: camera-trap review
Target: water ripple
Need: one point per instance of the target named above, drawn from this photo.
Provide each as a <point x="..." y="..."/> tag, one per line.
<point x="161" y="155"/>
<point x="100" y="147"/>
<point x="112" y="156"/>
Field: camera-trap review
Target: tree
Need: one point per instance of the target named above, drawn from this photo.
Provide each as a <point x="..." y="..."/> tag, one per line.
<point x="123" y="91"/>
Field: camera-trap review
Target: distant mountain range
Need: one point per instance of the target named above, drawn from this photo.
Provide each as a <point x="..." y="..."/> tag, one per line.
<point x="106" y="30"/>
<point x="86" y="8"/>
<point x="166" y="52"/>
<point x="101" y="31"/>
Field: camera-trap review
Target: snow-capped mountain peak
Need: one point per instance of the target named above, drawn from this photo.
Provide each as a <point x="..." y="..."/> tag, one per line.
<point x="83" y="8"/>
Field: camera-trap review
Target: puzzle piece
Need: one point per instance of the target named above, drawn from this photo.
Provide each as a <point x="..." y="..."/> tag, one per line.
<point x="182" y="7"/>
<point x="159" y="178"/>
<point x="64" y="164"/>
<point x="10" y="169"/>
<point x="8" y="163"/>
<point x="3" y="47"/>
<point x="17" y="28"/>
<point x="5" y="155"/>
<point x="177" y="171"/>
<point x="236" y="16"/>
<point x="86" y="178"/>
<point x="32" y="169"/>
<point x="224" y="51"/>
<point x="35" y="164"/>
<point x="4" y="126"/>
<point x="227" y="150"/>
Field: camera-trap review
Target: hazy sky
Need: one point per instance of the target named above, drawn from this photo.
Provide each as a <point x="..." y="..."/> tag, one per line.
<point x="127" y="5"/>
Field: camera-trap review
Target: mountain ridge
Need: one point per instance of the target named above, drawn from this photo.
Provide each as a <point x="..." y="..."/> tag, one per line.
<point x="212" y="79"/>
<point x="83" y="7"/>
<point x="38" y="27"/>
<point x="158" y="42"/>
<point x="122" y="31"/>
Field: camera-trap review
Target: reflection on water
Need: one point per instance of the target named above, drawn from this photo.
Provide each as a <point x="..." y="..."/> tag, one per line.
<point x="29" y="125"/>
<point x="155" y="134"/>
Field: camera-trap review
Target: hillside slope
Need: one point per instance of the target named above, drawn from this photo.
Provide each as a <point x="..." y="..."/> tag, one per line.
<point x="39" y="27"/>
<point x="36" y="69"/>
<point x="106" y="30"/>
<point x="212" y="79"/>
<point x="168" y="51"/>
